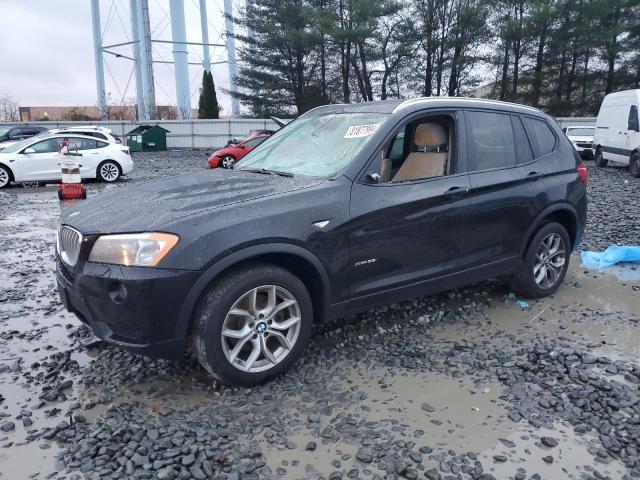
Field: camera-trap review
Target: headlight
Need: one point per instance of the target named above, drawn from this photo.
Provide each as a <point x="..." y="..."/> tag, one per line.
<point x="134" y="249"/>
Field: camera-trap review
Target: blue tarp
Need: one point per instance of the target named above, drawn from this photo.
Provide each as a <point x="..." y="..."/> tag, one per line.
<point x="612" y="255"/>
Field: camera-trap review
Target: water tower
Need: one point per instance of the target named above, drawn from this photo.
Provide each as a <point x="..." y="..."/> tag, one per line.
<point x="141" y="41"/>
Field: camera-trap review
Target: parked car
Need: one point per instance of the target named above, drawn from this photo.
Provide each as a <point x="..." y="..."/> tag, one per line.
<point x="617" y="136"/>
<point x="11" y="135"/>
<point x="346" y="208"/>
<point x="228" y="156"/>
<point x="581" y="138"/>
<point x="101" y="133"/>
<point x="37" y="159"/>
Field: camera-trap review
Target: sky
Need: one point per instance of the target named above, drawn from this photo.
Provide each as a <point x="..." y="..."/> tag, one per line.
<point x="47" y="58"/>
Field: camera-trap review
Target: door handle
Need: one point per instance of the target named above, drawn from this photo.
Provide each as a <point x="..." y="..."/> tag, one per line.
<point x="456" y="192"/>
<point x="533" y="176"/>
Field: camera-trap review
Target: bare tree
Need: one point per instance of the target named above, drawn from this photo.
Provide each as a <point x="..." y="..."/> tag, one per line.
<point x="9" y="111"/>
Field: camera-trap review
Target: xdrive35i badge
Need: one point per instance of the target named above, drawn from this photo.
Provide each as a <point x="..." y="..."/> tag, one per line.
<point x="365" y="262"/>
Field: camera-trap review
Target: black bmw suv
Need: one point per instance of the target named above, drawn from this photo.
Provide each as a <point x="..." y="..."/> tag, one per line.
<point x="347" y="207"/>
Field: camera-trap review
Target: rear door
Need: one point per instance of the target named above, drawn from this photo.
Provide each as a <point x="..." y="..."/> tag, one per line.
<point x="632" y="140"/>
<point x="92" y="152"/>
<point x="501" y="171"/>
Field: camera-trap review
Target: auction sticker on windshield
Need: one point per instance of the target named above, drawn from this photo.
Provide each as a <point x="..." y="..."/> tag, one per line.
<point x="356" y="131"/>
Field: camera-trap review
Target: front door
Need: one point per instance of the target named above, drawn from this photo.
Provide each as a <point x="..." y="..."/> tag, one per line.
<point x="409" y="221"/>
<point x="42" y="162"/>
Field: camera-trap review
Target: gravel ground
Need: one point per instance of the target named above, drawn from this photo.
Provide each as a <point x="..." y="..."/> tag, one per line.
<point x="465" y="384"/>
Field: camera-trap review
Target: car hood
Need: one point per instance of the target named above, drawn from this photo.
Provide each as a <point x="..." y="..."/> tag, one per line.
<point x="225" y="150"/>
<point x="156" y="204"/>
<point x="580" y="138"/>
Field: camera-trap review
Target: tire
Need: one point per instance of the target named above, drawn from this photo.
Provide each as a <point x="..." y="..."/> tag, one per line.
<point x="6" y="177"/>
<point x="525" y="282"/>
<point x="224" y="356"/>
<point x="601" y="162"/>
<point x="108" y="171"/>
<point x="634" y="165"/>
<point x="227" y="161"/>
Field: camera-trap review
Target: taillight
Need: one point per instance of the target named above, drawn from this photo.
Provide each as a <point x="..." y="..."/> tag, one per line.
<point x="582" y="173"/>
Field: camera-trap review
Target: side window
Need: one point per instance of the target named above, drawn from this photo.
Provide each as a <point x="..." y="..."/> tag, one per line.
<point x="46" y="146"/>
<point x="543" y="139"/>
<point x="524" y="152"/>
<point x="254" y="142"/>
<point x="419" y="150"/>
<point x="84" y="143"/>
<point x="633" y="125"/>
<point x="490" y="137"/>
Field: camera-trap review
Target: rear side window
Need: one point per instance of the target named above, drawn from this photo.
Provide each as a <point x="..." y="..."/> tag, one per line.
<point x="524" y="152"/>
<point x="633" y="119"/>
<point x="541" y="135"/>
<point x="490" y="138"/>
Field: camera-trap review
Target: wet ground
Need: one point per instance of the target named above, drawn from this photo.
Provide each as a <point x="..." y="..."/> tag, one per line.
<point x="465" y="384"/>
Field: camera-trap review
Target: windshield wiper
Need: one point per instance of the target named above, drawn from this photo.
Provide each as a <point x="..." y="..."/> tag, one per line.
<point x="265" y="171"/>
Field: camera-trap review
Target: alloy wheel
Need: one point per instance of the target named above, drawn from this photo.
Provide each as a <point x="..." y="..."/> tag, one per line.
<point x="228" y="161"/>
<point x="549" y="261"/>
<point x="261" y="328"/>
<point x="4" y="178"/>
<point x="109" y="172"/>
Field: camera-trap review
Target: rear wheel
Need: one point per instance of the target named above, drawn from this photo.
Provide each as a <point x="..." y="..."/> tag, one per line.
<point x="5" y="176"/>
<point x="634" y="165"/>
<point x="600" y="160"/>
<point x="545" y="263"/>
<point x="108" y="171"/>
<point x="252" y="324"/>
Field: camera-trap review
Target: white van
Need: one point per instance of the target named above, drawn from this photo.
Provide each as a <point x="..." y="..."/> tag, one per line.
<point x="617" y="136"/>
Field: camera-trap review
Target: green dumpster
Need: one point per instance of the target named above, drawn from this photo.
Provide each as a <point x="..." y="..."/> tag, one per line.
<point x="147" y="138"/>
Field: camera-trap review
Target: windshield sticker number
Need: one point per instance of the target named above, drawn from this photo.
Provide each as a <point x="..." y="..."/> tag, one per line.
<point x="357" y="131"/>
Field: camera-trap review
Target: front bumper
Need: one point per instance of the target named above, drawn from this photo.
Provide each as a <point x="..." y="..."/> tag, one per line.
<point x="133" y="307"/>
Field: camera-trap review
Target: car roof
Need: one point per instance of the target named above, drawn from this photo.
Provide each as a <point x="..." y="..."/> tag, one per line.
<point x="63" y="135"/>
<point x="394" y="106"/>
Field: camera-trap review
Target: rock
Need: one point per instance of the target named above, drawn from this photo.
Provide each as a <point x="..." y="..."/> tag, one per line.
<point x="365" y="454"/>
<point x="7" y="426"/>
<point x="549" y="442"/>
<point x="311" y="446"/>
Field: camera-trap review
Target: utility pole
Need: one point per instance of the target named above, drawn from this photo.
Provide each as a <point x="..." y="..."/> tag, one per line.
<point x="133" y="7"/>
<point x="146" y="60"/>
<point x="180" y="58"/>
<point x="206" y="58"/>
<point x="231" y="57"/>
<point x="97" y="53"/>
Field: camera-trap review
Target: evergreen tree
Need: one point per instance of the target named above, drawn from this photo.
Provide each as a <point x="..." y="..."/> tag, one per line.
<point x="208" y="103"/>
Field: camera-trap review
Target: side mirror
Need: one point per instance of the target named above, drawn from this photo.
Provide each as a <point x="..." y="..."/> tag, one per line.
<point x="373" y="177"/>
<point x="28" y="151"/>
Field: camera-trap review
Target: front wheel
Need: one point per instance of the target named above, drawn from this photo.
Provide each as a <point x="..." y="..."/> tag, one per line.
<point x="5" y="176"/>
<point x="634" y="165"/>
<point x="601" y="162"/>
<point x="545" y="263"/>
<point x="108" y="171"/>
<point x="227" y="161"/>
<point x="252" y="324"/>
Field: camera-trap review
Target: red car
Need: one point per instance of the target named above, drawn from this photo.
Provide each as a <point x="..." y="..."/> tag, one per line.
<point x="228" y="156"/>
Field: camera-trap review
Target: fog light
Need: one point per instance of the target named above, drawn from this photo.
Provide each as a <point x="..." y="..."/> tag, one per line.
<point x="117" y="292"/>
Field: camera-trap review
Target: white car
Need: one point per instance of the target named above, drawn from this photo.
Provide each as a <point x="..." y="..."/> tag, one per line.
<point x="581" y="138"/>
<point x="98" y="132"/>
<point x="617" y="136"/>
<point x="37" y="159"/>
